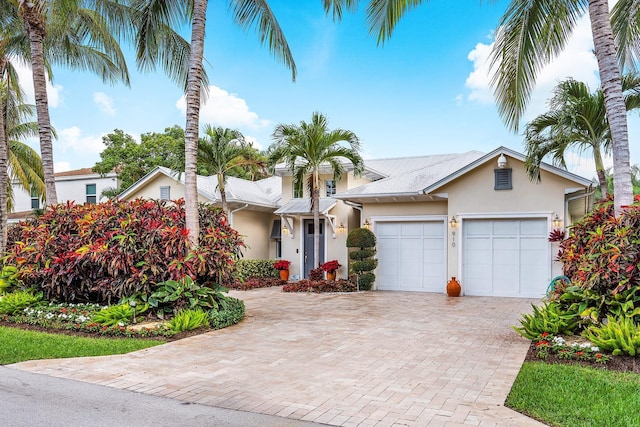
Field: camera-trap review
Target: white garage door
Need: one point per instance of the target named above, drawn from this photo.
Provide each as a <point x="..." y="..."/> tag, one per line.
<point x="411" y="256"/>
<point x="506" y="257"/>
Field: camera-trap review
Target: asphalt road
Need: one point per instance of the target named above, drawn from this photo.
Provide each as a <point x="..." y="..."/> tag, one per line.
<point x="28" y="399"/>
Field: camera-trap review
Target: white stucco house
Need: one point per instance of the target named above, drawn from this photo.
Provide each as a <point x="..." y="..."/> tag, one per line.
<point x="79" y="185"/>
<point x="474" y="216"/>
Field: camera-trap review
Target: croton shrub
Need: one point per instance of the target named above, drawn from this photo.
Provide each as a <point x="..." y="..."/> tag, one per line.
<point x="602" y="252"/>
<point x="104" y="252"/>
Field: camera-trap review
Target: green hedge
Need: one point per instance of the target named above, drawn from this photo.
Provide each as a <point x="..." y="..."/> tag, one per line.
<point x="233" y="314"/>
<point x="257" y="268"/>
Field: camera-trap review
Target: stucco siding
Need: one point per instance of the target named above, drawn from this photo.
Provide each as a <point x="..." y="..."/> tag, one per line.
<point x="151" y="190"/>
<point x="255" y="228"/>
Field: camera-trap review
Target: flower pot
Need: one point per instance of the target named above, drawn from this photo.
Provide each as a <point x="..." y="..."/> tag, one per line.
<point x="331" y="275"/>
<point x="284" y="275"/>
<point x="453" y="288"/>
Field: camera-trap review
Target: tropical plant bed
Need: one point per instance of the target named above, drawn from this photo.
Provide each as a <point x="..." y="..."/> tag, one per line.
<point x="256" y="283"/>
<point x="619" y="363"/>
<point x="319" y="286"/>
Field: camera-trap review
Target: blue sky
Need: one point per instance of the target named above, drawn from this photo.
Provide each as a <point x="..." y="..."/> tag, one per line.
<point x="424" y="92"/>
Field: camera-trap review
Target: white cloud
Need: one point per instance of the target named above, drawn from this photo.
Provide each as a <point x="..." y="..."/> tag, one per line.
<point x="104" y="103"/>
<point x="54" y="92"/>
<point x="581" y="163"/>
<point x="576" y="61"/>
<point x="72" y="139"/>
<point x="61" y="166"/>
<point x="253" y="141"/>
<point x="226" y="109"/>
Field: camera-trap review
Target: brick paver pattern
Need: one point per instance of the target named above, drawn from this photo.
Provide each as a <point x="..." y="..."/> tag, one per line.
<point x="365" y="359"/>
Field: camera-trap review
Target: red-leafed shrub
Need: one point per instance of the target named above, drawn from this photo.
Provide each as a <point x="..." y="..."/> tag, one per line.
<point x="319" y="286"/>
<point x="101" y="253"/>
<point x="602" y="252"/>
<point x="256" y="282"/>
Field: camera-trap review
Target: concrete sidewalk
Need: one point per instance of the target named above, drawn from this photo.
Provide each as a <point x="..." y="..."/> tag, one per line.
<point x="372" y="358"/>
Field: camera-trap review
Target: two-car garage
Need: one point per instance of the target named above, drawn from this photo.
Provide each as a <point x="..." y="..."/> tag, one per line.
<point x="499" y="256"/>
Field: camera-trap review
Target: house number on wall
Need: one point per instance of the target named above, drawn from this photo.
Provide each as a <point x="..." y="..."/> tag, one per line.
<point x="453" y="239"/>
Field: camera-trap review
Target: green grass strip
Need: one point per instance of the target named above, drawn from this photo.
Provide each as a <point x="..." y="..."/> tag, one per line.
<point x="568" y="396"/>
<point x="17" y="345"/>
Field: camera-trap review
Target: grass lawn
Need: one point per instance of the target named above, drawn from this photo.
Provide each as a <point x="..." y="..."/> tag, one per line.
<point x="567" y="396"/>
<point x="17" y="345"/>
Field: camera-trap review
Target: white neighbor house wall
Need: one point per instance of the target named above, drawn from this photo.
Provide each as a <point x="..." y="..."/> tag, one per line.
<point x="70" y="185"/>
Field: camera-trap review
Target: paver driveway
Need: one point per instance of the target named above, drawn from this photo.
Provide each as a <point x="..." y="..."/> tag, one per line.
<point x="372" y="358"/>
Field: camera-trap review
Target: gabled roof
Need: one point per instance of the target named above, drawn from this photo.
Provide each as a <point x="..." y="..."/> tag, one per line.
<point x="420" y="177"/>
<point x="263" y="193"/>
<point x="434" y="186"/>
<point x="303" y="207"/>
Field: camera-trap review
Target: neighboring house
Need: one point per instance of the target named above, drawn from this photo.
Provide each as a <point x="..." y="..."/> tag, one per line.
<point x="80" y="186"/>
<point x="251" y="204"/>
<point x="474" y="216"/>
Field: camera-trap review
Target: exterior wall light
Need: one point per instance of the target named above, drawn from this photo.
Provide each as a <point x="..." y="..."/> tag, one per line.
<point x="367" y="224"/>
<point x="557" y="222"/>
<point x="452" y="222"/>
<point x="502" y="161"/>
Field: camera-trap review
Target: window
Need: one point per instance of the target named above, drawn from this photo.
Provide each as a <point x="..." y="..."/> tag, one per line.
<point x="330" y="185"/>
<point x="165" y="193"/>
<point x="91" y="193"/>
<point x="502" y="179"/>
<point x="35" y="199"/>
<point x="297" y="193"/>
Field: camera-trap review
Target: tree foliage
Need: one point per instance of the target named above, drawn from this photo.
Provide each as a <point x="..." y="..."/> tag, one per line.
<point x="132" y="160"/>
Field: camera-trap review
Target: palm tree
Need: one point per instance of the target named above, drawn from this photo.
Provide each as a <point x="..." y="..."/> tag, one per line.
<point x="531" y="33"/>
<point x="18" y="161"/>
<point x="635" y="181"/>
<point x="220" y="151"/>
<point x="577" y="118"/>
<point x="246" y="13"/>
<point x="308" y="147"/>
<point x="67" y="33"/>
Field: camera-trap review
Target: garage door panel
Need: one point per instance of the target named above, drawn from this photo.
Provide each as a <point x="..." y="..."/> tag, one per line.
<point x="505" y="228"/>
<point x="512" y="259"/>
<point x="418" y="259"/>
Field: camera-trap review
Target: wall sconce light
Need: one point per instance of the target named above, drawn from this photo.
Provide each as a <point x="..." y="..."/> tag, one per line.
<point x="502" y="161"/>
<point x="452" y="222"/>
<point x="341" y="228"/>
<point x="557" y="222"/>
<point x="367" y="224"/>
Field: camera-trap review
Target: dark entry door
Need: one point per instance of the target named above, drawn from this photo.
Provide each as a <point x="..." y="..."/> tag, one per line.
<point x="308" y="245"/>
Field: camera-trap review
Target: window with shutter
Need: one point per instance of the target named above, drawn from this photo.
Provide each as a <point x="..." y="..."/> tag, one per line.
<point x="502" y="179"/>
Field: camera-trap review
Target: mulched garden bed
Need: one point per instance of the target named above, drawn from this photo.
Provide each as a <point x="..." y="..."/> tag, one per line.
<point x="615" y="363"/>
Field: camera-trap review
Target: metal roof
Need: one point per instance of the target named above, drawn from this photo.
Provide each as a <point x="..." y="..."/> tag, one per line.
<point x="303" y="207"/>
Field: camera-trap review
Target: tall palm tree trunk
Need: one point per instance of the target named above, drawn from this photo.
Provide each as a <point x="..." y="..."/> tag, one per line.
<point x="315" y="200"/>
<point x="223" y="194"/>
<point x="611" y="80"/>
<point x="192" y="96"/>
<point x="602" y="177"/>
<point x="4" y="158"/>
<point x="35" y="28"/>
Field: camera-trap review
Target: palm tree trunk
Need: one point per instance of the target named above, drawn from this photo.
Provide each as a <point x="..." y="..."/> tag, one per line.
<point x="223" y="194"/>
<point x="611" y="79"/>
<point x="194" y="82"/>
<point x="602" y="178"/>
<point x="315" y="204"/>
<point x="35" y="28"/>
<point x="4" y="154"/>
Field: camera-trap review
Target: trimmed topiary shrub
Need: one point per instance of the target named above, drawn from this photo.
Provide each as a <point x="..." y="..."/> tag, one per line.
<point x="105" y="252"/>
<point x="232" y="313"/>
<point x="362" y="263"/>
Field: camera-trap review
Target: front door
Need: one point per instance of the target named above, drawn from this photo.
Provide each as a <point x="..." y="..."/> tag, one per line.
<point x="308" y="245"/>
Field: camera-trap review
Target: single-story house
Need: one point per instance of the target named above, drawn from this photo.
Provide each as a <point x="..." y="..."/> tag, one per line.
<point x="473" y="216"/>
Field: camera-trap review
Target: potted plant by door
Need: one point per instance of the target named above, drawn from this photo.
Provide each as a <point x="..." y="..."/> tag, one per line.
<point x="330" y="268"/>
<point x="283" y="266"/>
